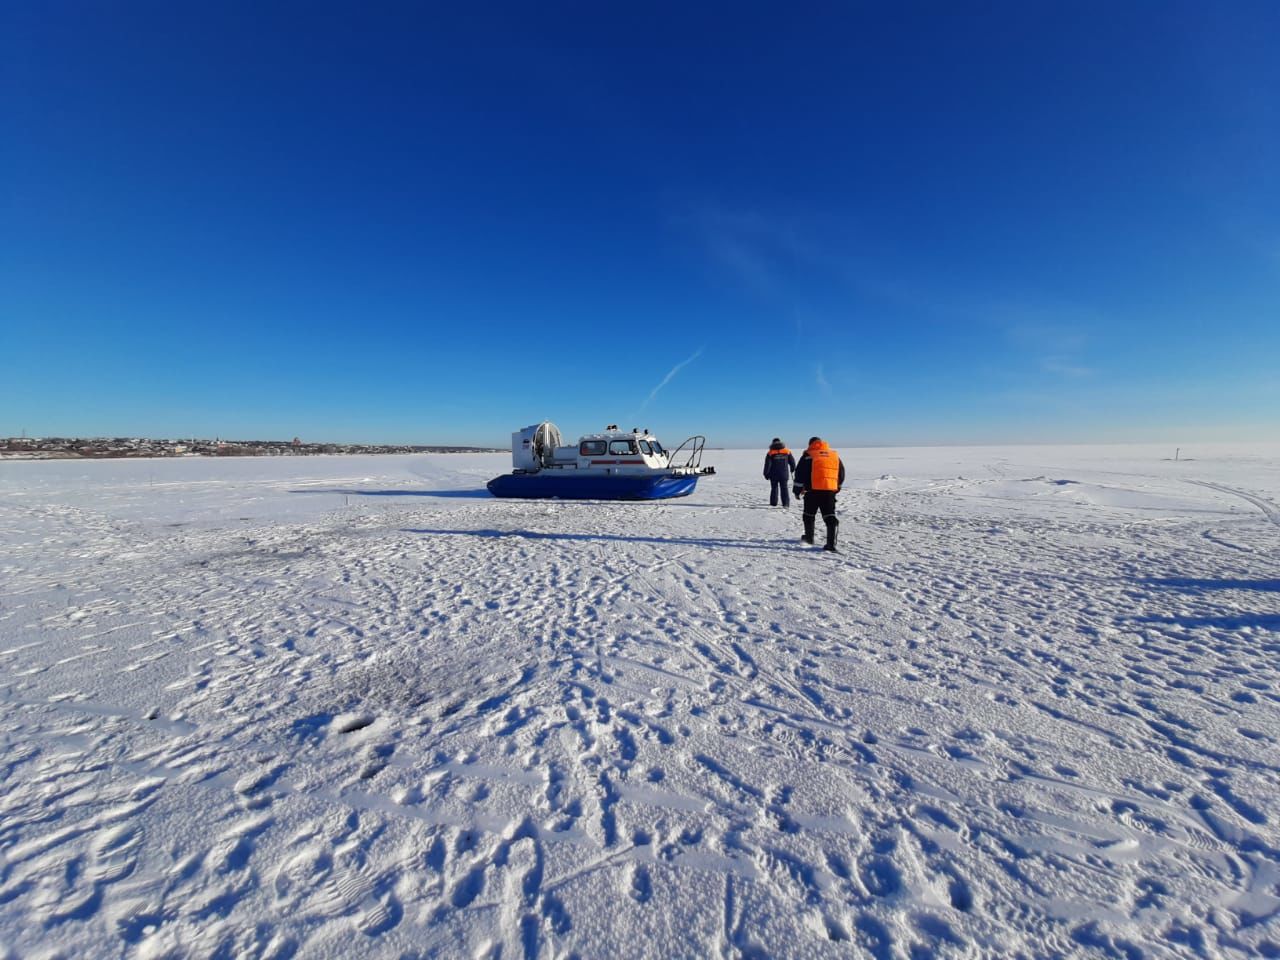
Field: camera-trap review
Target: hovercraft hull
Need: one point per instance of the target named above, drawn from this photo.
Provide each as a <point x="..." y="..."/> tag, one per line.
<point x="570" y="485"/>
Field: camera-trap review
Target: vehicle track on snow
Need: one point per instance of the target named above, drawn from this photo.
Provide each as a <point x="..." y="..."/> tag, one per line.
<point x="1269" y="509"/>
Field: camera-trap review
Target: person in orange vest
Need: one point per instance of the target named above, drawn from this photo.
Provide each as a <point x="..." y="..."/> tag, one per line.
<point x="779" y="464"/>
<point x="819" y="477"/>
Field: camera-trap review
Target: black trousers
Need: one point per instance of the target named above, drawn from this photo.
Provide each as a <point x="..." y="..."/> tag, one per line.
<point x="779" y="486"/>
<point x="824" y="502"/>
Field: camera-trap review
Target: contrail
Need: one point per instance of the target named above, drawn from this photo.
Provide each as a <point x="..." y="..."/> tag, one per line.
<point x="667" y="379"/>
<point x="823" y="385"/>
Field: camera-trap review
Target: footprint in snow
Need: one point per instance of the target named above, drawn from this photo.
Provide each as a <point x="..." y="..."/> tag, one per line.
<point x="303" y="872"/>
<point x="879" y="876"/>
<point x="379" y="915"/>
<point x="640" y="887"/>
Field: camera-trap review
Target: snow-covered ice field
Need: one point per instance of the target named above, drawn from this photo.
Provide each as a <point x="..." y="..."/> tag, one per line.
<point x="340" y="707"/>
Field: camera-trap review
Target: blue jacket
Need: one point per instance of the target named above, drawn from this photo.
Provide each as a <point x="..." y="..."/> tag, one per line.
<point x="779" y="463"/>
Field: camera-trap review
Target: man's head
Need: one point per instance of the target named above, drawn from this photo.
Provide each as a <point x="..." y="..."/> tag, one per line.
<point x="813" y="440"/>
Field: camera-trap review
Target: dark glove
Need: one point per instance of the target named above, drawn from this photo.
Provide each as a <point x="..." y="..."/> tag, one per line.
<point x="797" y="490"/>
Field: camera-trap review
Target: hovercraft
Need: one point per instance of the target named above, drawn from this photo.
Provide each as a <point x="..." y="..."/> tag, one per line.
<point x="610" y="465"/>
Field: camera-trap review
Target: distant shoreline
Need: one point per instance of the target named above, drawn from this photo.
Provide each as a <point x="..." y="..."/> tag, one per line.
<point x="138" y="448"/>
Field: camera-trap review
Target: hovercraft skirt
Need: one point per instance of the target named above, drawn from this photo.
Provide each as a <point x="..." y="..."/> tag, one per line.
<point x="569" y="485"/>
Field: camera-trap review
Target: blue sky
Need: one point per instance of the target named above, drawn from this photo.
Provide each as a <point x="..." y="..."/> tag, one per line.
<point x="884" y="223"/>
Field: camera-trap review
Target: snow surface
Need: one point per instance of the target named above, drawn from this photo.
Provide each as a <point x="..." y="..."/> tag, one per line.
<point x="345" y="706"/>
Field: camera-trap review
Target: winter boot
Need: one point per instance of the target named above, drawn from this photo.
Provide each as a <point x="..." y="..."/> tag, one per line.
<point x="808" y="530"/>
<point x="831" y="539"/>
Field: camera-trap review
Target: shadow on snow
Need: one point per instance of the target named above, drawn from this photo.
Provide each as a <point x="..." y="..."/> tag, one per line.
<point x="484" y="494"/>
<point x="1188" y="583"/>
<point x="588" y="537"/>
<point x="1233" y="621"/>
<point x="1227" y="620"/>
<point x="450" y="494"/>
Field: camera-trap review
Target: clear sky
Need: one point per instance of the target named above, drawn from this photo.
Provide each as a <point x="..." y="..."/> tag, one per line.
<point x="889" y="222"/>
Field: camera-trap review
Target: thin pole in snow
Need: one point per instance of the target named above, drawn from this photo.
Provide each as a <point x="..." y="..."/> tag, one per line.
<point x="1177" y="453"/>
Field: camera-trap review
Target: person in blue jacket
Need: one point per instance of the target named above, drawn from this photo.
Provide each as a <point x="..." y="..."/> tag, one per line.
<point x="779" y="464"/>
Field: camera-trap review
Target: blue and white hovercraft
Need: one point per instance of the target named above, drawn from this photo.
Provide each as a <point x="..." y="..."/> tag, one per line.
<point x="610" y="465"/>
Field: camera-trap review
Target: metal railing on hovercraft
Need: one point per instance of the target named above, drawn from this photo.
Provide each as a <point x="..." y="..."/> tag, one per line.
<point x="692" y="459"/>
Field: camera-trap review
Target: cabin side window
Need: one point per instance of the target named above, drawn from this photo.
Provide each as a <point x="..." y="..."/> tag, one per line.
<point x="622" y="447"/>
<point x="645" y="448"/>
<point x="592" y="448"/>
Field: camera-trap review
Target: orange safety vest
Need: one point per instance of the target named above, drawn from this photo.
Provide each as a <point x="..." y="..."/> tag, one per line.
<point x="825" y="473"/>
<point x="784" y="452"/>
